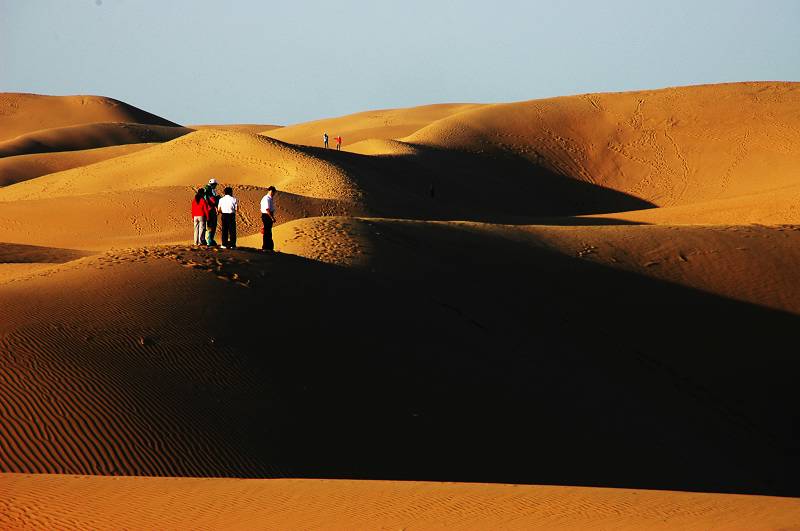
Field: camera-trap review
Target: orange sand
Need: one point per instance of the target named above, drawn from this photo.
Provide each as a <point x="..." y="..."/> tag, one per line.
<point x="76" y="502"/>
<point x="594" y="290"/>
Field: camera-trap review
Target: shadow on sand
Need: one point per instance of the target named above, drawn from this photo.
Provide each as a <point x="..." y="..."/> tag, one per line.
<point x="519" y="365"/>
<point x="472" y="186"/>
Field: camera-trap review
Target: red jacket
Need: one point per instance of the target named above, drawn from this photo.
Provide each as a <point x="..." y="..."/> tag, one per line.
<point x="200" y="209"/>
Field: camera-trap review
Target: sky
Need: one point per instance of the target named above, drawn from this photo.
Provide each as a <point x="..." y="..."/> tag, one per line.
<point x="284" y="62"/>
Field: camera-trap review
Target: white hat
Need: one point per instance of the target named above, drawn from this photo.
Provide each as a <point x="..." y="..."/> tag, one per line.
<point x="212" y="181"/>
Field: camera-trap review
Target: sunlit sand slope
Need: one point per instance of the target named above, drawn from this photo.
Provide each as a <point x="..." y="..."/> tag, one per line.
<point x="25" y="113"/>
<point x="780" y="206"/>
<point x="88" y="136"/>
<point x="24" y="167"/>
<point x="230" y="157"/>
<point x="73" y="502"/>
<point x="17" y="260"/>
<point x="240" y="128"/>
<point x="670" y="147"/>
<point x="382" y="124"/>
<point x="151" y="216"/>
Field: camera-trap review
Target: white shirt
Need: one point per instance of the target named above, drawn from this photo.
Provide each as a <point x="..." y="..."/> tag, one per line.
<point x="266" y="204"/>
<point x="228" y="204"/>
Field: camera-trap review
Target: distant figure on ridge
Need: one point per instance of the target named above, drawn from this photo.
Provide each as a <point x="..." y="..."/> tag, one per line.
<point x="213" y="202"/>
<point x="199" y="215"/>
<point x="228" y="205"/>
<point x="338" y="142"/>
<point x="268" y="218"/>
<point x="325" y="139"/>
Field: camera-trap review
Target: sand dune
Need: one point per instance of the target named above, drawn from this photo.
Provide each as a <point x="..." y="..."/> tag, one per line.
<point x="378" y="124"/>
<point x="381" y="186"/>
<point x="10" y="253"/>
<point x="780" y="206"/>
<point x="581" y="362"/>
<point x="18" y="260"/>
<point x="88" y="136"/>
<point x="25" y="167"/>
<point x="69" y="502"/>
<point x="232" y="158"/>
<point x="380" y="146"/>
<point x="719" y="259"/>
<point x="25" y="113"/>
<point x="596" y="291"/>
<point x="155" y="215"/>
<point x="239" y="128"/>
<point x="670" y="147"/>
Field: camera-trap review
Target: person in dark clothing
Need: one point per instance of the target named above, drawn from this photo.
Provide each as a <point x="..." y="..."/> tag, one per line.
<point x="268" y="218"/>
<point x="213" y="203"/>
<point x="228" y="205"/>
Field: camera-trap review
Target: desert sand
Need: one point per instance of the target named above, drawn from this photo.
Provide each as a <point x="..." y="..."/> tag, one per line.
<point x="15" y="169"/>
<point x="597" y="293"/>
<point x="191" y="503"/>
<point x="383" y="124"/>
<point x="241" y="128"/>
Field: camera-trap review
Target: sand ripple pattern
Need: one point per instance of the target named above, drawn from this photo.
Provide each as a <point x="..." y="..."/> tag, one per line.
<point x="124" y="399"/>
<point x="66" y="502"/>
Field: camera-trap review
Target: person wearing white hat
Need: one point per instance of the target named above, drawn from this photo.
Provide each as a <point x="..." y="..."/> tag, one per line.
<point x="213" y="202"/>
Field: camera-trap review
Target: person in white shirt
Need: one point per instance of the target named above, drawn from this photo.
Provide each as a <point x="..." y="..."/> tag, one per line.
<point x="228" y="205"/>
<point x="268" y="218"/>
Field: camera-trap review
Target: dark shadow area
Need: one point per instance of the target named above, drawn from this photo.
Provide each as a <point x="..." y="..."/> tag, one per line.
<point x="88" y="136"/>
<point x="573" y="221"/>
<point x="471" y="186"/>
<point x="526" y="366"/>
<point x="451" y="355"/>
<point x="15" y="253"/>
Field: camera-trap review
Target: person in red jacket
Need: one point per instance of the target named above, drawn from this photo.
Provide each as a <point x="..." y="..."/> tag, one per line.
<point x="199" y="215"/>
<point x="338" y="142"/>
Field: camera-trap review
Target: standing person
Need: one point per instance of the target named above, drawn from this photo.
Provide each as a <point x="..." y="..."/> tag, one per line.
<point x="268" y="218"/>
<point x="228" y="205"/>
<point x="325" y="139"/>
<point x="338" y="142"/>
<point x="199" y="215"/>
<point x="213" y="202"/>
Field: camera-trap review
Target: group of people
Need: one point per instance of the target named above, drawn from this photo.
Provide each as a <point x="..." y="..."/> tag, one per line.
<point x="208" y="207"/>
<point x="337" y="139"/>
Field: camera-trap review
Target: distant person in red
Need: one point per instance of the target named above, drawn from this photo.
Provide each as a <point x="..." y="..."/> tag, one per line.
<point x="338" y="142"/>
<point x="199" y="215"/>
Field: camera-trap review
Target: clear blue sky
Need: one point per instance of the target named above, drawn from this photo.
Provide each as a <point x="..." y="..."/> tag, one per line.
<point x="203" y="61"/>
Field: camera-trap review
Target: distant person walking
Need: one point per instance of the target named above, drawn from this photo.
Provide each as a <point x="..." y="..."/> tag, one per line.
<point x="325" y="139"/>
<point x="268" y="219"/>
<point x="199" y="215"/>
<point x="228" y="205"/>
<point x="212" y="199"/>
<point x="338" y="142"/>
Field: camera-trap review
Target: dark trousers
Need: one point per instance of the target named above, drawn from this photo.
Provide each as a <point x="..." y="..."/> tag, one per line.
<point x="268" y="244"/>
<point x="229" y="230"/>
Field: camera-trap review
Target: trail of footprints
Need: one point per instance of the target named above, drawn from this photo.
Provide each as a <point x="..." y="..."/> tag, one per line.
<point x="211" y="261"/>
<point x="223" y="264"/>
